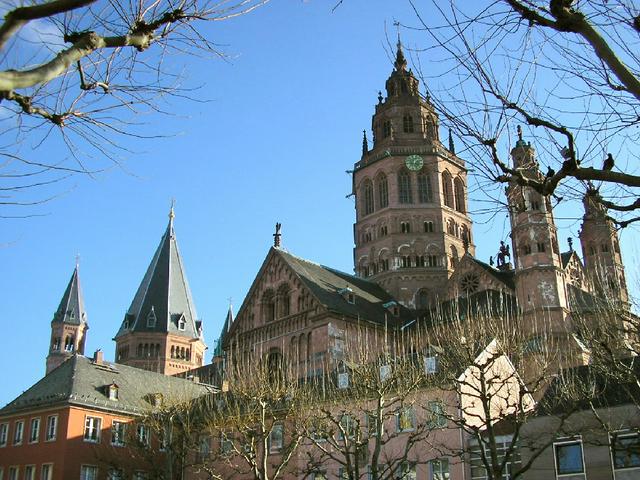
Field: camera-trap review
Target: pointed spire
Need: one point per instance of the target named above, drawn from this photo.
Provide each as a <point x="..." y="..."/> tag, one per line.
<point x="452" y="147"/>
<point x="365" y="143"/>
<point x="165" y="291"/>
<point x="71" y="309"/>
<point x="217" y="351"/>
<point x="401" y="63"/>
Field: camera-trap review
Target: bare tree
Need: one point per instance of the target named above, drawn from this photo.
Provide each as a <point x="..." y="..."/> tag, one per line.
<point x="77" y="72"/>
<point x="367" y="420"/>
<point x="567" y="69"/>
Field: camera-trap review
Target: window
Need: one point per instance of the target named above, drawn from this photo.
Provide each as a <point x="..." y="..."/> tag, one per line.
<point x="384" y="231"/>
<point x="4" y="431"/>
<point x="407" y="122"/>
<point x="372" y="425"/>
<point x="604" y="248"/>
<point x="343" y="380"/>
<point x="276" y="438"/>
<point x="113" y="391"/>
<point x="406" y="419"/>
<point x="436" y="413"/>
<point x="406" y="471"/>
<point x="439" y="469"/>
<point x="383" y="191"/>
<point x="428" y="227"/>
<point x="92" y="427"/>
<point x="526" y="249"/>
<point x="13" y="473"/>
<point x="404" y="187"/>
<point x="151" y="318"/>
<point x="425" y="194"/>
<point x="432" y="260"/>
<point x="204" y="449"/>
<point x="30" y="472"/>
<point x="405" y="227"/>
<point x="503" y="444"/>
<point x="226" y="444"/>
<point x="459" y="195"/>
<point x="55" y="346"/>
<point x="115" y="474"/>
<point x="88" y="472"/>
<point x="319" y="476"/>
<point x="367" y="198"/>
<point x="142" y="434"/>
<point x="568" y="456"/>
<point x="541" y="247"/>
<point x="46" y="471"/>
<point x="139" y="475"/>
<point x="447" y="189"/>
<point x="68" y="344"/>
<point x="182" y="323"/>
<point x="430" y="361"/>
<point x="625" y="451"/>
<point x="52" y="428"/>
<point x="406" y="261"/>
<point x="269" y="306"/>
<point x="347" y="427"/>
<point x="386" y="128"/>
<point x="18" y="432"/>
<point x="118" y="431"/>
<point x="34" y="431"/>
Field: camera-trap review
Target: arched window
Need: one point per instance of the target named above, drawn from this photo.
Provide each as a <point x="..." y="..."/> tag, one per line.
<point x="69" y="344"/>
<point x="464" y="235"/>
<point x="173" y="351"/>
<point x="386" y="128"/>
<point x="422" y="298"/>
<point x="459" y="193"/>
<point x="447" y="192"/>
<point x="404" y="187"/>
<point x="367" y="198"/>
<point x="383" y="191"/>
<point x="268" y="306"/>
<point x="451" y="229"/>
<point x="454" y="257"/>
<point x="407" y="123"/>
<point x="301" y="344"/>
<point x="275" y="365"/>
<point x="425" y="195"/>
<point x="309" y="347"/>
<point x="284" y="300"/>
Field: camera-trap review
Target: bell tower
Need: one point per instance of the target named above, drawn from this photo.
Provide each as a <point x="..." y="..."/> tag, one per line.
<point x="601" y="250"/>
<point x="412" y="224"/>
<point x="69" y="325"/>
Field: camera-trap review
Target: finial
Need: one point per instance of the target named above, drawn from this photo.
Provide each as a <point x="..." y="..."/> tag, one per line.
<point x="365" y="143"/>
<point x="397" y="25"/>
<point x="77" y="261"/>
<point x="519" y="129"/>
<point x="380" y="97"/>
<point x="570" y="240"/>
<point x="172" y="214"/>
<point x="400" y="63"/>
<point x="277" y="235"/>
<point x="452" y="147"/>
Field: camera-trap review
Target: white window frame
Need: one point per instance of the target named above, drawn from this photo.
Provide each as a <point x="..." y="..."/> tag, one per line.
<point x="616" y="436"/>
<point x="118" y="440"/>
<point x="46" y="471"/>
<point x="407" y="471"/>
<point x="142" y="434"/>
<point x="410" y="412"/>
<point x="29" y="472"/>
<point x="93" y="426"/>
<point x="440" y="473"/>
<point x="18" y="433"/>
<point x="565" y="442"/>
<point x="275" y="447"/>
<point x="4" y="434"/>
<point x="85" y="468"/>
<point x="34" y="438"/>
<point x="115" y="474"/>
<point x="50" y="436"/>
<point x="13" y="472"/>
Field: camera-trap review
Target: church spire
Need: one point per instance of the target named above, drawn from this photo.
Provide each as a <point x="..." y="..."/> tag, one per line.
<point x="401" y="62"/>
<point x="163" y="312"/>
<point x="69" y="324"/>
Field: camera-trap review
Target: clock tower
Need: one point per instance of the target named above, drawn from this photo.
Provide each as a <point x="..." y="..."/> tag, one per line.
<point x="412" y="224"/>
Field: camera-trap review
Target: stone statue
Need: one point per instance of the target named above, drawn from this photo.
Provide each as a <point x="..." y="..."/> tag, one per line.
<point x="503" y="254"/>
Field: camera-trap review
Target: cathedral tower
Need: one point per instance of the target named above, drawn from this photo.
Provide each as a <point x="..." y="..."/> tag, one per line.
<point x="601" y="250"/>
<point x="540" y="286"/>
<point x="411" y="225"/>
<point x="161" y="331"/>
<point x="69" y="325"/>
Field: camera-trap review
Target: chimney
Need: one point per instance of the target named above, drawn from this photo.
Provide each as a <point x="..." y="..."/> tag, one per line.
<point x="98" y="357"/>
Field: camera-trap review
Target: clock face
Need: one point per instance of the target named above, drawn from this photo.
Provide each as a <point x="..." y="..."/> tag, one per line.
<point x="414" y="162"/>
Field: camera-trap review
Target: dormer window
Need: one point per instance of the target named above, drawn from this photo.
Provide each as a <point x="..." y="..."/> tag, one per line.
<point x="151" y="318"/>
<point x="156" y="399"/>
<point x="182" y="323"/>
<point x="348" y="295"/>
<point x="112" y="391"/>
<point x="392" y="307"/>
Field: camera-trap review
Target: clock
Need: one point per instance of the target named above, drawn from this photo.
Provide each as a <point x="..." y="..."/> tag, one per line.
<point x="414" y="162"/>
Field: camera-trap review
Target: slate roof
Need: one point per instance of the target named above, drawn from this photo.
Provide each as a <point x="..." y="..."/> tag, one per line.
<point x="80" y="381"/>
<point x="506" y="277"/>
<point x="565" y="257"/>
<point x="326" y="283"/>
<point x="217" y="351"/>
<point x="163" y="293"/>
<point x="71" y="309"/>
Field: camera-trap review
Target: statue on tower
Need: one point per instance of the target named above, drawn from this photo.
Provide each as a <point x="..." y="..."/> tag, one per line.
<point x="503" y="253"/>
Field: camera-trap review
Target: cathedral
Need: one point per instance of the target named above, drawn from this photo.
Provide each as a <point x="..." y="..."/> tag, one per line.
<point x="414" y="248"/>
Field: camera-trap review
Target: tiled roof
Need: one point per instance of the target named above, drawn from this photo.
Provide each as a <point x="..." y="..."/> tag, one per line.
<point x="71" y="309"/>
<point x="326" y="285"/>
<point x="80" y="381"/>
<point x="507" y="277"/>
<point x="164" y="294"/>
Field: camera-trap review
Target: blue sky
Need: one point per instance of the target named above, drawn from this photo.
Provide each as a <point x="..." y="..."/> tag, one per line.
<point x="282" y="124"/>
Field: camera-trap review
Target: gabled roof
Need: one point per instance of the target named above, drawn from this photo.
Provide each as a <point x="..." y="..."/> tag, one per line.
<point x="81" y="381"/>
<point x="164" y="294"/>
<point x="507" y="277"/>
<point x="326" y="285"/>
<point x="567" y="256"/>
<point x="71" y="309"/>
